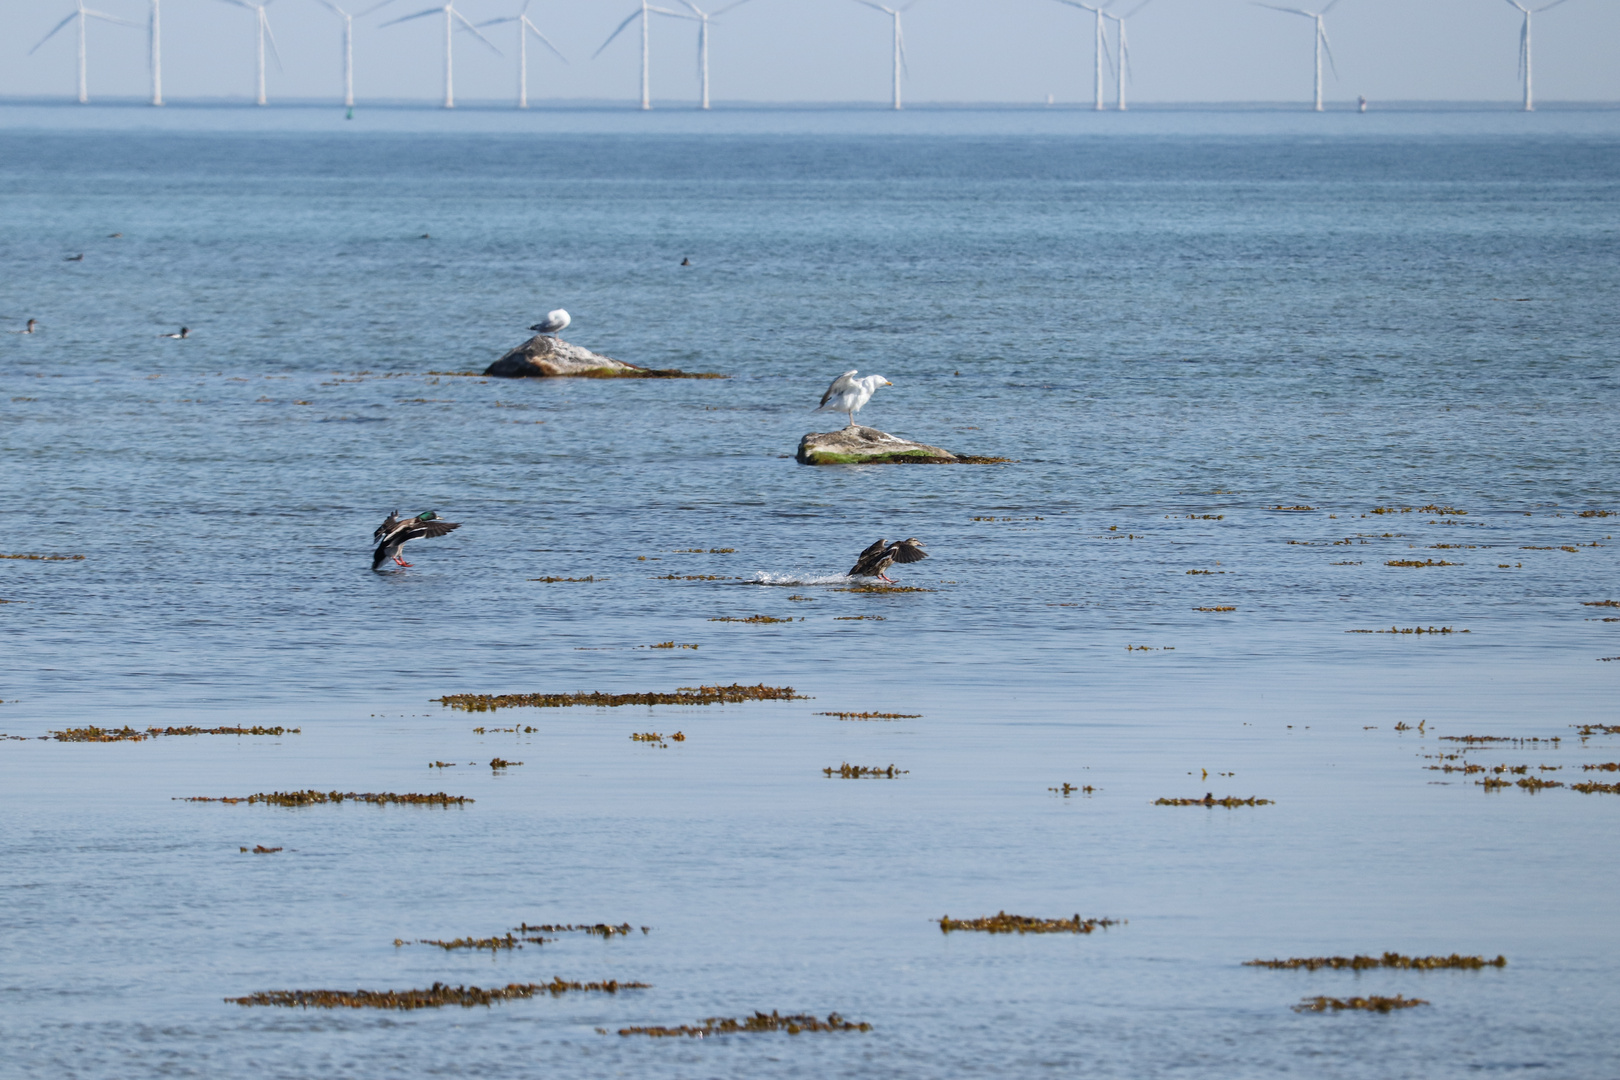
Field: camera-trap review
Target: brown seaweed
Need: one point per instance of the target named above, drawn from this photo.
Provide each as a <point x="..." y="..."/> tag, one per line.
<point x="554" y="580"/>
<point x="683" y="695"/>
<point x="1367" y="1004"/>
<point x="1421" y="562"/>
<point x="1069" y="789"/>
<point x="605" y="931"/>
<point x="1211" y="800"/>
<point x="773" y="1021"/>
<point x="847" y="771"/>
<point x="312" y="797"/>
<point x="1593" y="788"/>
<point x="260" y="849"/>
<point x="1003" y="923"/>
<point x="872" y="715"/>
<point x="498" y="763"/>
<point x="437" y="996"/>
<point x="755" y="620"/>
<point x="45" y="558"/>
<point x="857" y="618"/>
<point x="129" y="734"/>
<point x="1387" y="960"/>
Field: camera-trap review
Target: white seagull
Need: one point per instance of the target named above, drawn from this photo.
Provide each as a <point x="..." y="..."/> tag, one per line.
<point x="554" y="323"/>
<point x="847" y="394"/>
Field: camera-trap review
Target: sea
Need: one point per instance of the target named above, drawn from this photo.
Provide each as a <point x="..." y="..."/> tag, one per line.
<point x="1275" y="391"/>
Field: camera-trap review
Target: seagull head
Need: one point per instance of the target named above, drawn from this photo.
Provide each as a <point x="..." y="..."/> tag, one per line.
<point x="877" y="381"/>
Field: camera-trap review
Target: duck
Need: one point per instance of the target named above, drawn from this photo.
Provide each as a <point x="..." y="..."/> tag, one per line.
<point x="847" y="394"/>
<point x="185" y="332"/>
<point x="392" y="534"/>
<point x="882" y="555"/>
<point x="554" y="323"/>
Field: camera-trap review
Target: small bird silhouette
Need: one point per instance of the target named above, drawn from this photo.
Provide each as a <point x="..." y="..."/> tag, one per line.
<point x="75" y="258"/>
<point x="185" y="332"/>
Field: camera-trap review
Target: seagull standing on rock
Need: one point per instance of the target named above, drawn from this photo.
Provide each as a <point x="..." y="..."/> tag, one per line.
<point x="554" y="323"/>
<point x="847" y="394"/>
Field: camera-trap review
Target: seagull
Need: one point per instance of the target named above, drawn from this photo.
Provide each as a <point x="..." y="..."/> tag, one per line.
<point x="882" y="555"/>
<point x="185" y="332"/>
<point x="554" y="323"/>
<point x="847" y="394"/>
<point x="392" y="534"/>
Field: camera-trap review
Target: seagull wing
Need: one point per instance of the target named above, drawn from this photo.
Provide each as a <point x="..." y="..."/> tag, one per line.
<point x="382" y="530"/>
<point x="908" y="551"/>
<point x="844" y="382"/>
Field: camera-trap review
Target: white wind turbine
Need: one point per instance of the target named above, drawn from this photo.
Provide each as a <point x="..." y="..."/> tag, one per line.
<point x="264" y="30"/>
<point x="84" y="15"/>
<point x="525" y="28"/>
<point x="348" y="49"/>
<point x="1122" y="69"/>
<point x="155" y="35"/>
<point x="1524" y="48"/>
<point x="899" y="39"/>
<point x="451" y="16"/>
<point x="1321" y="40"/>
<point x="644" y="13"/>
<point x="703" y="40"/>
<point x="1102" y="43"/>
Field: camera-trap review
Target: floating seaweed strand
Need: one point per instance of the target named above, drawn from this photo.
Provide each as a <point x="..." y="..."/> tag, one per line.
<point x="1388" y="960"/>
<point x="1003" y="923"/>
<point x="772" y="1021"/>
<point x="129" y="734"/>
<point x="847" y="771"/>
<point x="435" y="997"/>
<point x="311" y="797"/>
<point x="1367" y="1004"/>
<point x="684" y="695"/>
<point x="605" y="931"/>
<point x="1211" y="800"/>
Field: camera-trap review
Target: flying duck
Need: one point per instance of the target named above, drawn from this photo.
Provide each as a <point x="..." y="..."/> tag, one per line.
<point x="847" y="394"/>
<point x="882" y="555"/>
<point x="392" y="534"/>
<point x="554" y="323"/>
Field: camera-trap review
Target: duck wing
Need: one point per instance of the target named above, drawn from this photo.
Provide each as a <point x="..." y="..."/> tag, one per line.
<point x="870" y="562"/>
<point x="840" y="385"/>
<point x="387" y="527"/>
<point x="908" y="551"/>
<point x="433" y="528"/>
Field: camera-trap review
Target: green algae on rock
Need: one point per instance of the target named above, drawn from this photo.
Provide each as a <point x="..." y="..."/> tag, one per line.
<point x="868" y="446"/>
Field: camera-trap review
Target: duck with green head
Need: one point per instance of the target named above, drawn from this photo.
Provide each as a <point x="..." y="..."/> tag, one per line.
<point x="392" y="534"/>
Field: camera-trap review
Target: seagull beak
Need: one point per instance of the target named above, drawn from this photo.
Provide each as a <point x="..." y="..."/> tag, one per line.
<point x="886" y="382"/>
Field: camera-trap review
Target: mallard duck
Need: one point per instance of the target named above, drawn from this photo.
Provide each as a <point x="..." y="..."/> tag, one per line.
<point x="392" y="534"/>
<point x="882" y="555"/>
<point x="847" y="394"/>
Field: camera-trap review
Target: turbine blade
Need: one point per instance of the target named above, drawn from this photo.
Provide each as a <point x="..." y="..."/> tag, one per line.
<point x="695" y="9"/>
<point x="1290" y="10"/>
<point x="535" y="30"/>
<point x="375" y="7"/>
<point x="102" y="15"/>
<point x="905" y="62"/>
<point x="418" y="15"/>
<point x="875" y="7"/>
<point x="1331" y="5"/>
<point x="475" y="31"/>
<point x="1524" y="44"/>
<point x="524" y="10"/>
<point x="911" y="5"/>
<point x="1134" y="10"/>
<point x="634" y="15"/>
<point x="271" y="34"/>
<point x="54" y="29"/>
<point x="728" y="7"/>
<point x="1518" y="6"/>
<point x="1544" y="7"/>
<point x="1327" y="45"/>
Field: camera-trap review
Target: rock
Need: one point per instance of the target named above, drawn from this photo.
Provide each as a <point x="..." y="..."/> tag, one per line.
<point x="868" y="446"/>
<point x="543" y="356"/>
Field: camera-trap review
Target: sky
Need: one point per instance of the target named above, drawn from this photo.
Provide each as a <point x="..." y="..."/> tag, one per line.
<point x="836" y="51"/>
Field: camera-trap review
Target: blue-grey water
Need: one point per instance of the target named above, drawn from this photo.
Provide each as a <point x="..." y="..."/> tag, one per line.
<point x="1172" y="335"/>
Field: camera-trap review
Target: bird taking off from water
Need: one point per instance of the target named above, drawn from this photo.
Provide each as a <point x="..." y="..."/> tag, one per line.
<point x="882" y="555"/>
<point x="554" y="323"/>
<point x="392" y="534"/>
<point x="847" y="394"/>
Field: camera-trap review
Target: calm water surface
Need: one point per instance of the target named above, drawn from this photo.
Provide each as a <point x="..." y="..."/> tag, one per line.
<point x="1182" y="341"/>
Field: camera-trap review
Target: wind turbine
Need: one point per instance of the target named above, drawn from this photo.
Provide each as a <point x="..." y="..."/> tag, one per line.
<point x="703" y="40"/>
<point x="1321" y="40"/>
<point x="1122" y="69"/>
<point x="348" y="49"/>
<point x="1102" y="42"/>
<point x="84" y="15"/>
<point x="155" y="33"/>
<point x="899" y="40"/>
<point x="525" y="27"/>
<point x="264" y="29"/>
<point x="1524" y="48"/>
<point x="451" y="15"/>
<point x="645" y="14"/>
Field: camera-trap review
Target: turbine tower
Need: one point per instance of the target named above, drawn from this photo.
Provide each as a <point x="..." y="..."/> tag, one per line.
<point x="703" y="41"/>
<point x="1122" y="69"/>
<point x="84" y="15"/>
<point x="264" y="30"/>
<point x="1524" y="48"/>
<point x="1321" y="40"/>
<point x="348" y="49"/>
<point x="644" y="13"/>
<point x="525" y="28"/>
<point x="155" y="33"/>
<point x="451" y="16"/>
<point x="1102" y="45"/>
<point x="899" y="40"/>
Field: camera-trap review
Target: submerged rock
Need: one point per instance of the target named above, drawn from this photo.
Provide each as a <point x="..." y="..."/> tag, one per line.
<point x="869" y="446"/>
<point x="543" y="356"/>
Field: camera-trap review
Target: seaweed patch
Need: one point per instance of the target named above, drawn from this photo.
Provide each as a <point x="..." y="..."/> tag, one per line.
<point x="129" y="734"/>
<point x="847" y="771"/>
<point x="1003" y="923"/>
<point x="872" y="715"/>
<point x="773" y="1021"/>
<point x="755" y="620"/>
<point x="311" y="798"/>
<point x="1387" y="960"/>
<point x="1211" y="800"/>
<point x="1367" y="1004"/>
<point x="605" y="931"/>
<point x="683" y="695"/>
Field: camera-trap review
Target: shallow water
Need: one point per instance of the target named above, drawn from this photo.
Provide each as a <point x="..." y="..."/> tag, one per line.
<point x="1173" y="336"/>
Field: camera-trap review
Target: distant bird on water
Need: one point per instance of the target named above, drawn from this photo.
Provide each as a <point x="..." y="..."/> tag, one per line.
<point x="392" y="534"/>
<point x="75" y="258"/>
<point x="31" y="328"/>
<point x="185" y="332"/>
<point x="882" y="555"/>
<point x="554" y="323"/>
<point x="847" y="394"/>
